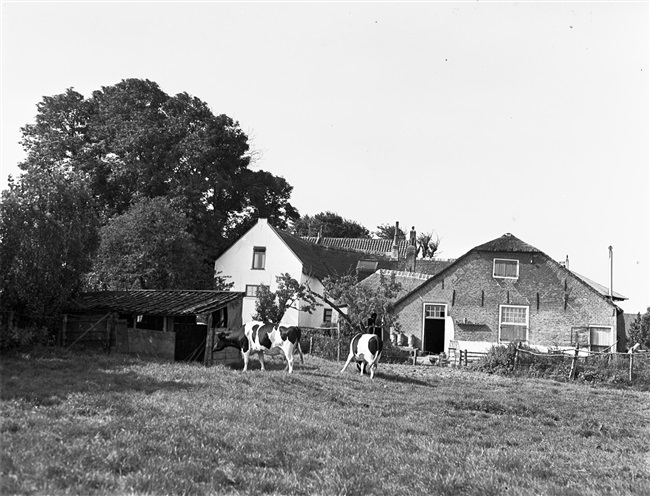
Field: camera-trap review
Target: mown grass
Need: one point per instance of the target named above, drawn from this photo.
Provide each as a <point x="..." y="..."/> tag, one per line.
<point x="76" y="423"/>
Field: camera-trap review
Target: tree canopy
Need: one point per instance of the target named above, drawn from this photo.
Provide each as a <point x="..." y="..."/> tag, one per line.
<point x="121" y="160"/>
<point x="330" y="224"/>
<point x="361" y="301"/>
<point x="132" y="140"/>
<point x="387" y="231"/>
<point x="48" y="233"/>
<point x="639" y="331"/>
<point x="148" y="247"/>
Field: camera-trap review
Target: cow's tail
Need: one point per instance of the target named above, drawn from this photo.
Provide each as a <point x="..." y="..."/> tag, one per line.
<point x="302" y="358"/>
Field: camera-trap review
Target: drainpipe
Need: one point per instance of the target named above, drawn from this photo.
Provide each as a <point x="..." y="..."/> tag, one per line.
<point x="611" y="272"/>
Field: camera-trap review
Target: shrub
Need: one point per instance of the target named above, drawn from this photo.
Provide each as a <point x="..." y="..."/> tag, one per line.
<point x="499" y="360"/>
<point x="16" y="338"/>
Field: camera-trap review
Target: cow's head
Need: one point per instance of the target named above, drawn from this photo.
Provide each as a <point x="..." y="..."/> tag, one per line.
<point x="236" y="339"/>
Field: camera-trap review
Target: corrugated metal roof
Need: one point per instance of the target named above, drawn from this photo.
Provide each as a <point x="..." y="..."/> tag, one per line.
<point x="155" y="302"/>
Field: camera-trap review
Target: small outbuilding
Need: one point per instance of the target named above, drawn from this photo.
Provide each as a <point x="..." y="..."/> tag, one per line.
<point x="176" y="325"/>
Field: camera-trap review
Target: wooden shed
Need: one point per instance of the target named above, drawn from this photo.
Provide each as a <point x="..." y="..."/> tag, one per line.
<point x="175" y="325"/>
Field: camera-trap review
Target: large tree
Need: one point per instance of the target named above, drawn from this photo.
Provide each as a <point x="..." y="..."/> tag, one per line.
<point x="331" y="225"/>
<point x="133" y="140"/>
<point x="148" y="247"/>
<point x="48" y="233"/>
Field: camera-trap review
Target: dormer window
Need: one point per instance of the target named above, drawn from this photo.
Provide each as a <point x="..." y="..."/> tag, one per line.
<point x="259" y="257"/>
<point x="505" y="269"/>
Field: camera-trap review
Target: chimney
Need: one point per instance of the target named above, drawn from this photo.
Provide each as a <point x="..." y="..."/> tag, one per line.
<point x="611" y="272"/>
<point x="411" y="252"/>
<point x="566" y="262"/>
<point x="395" y="254"/>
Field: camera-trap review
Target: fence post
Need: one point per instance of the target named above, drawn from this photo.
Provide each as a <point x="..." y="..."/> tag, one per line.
<point x="64" y="324"/>
<point x="574" y="363"/>
<point x="465" y="358"/>
<point x="514" y="367"/>
<point x="311" y="345"/>
<point x="631" y="364"/>
<point x="415" y="355"/>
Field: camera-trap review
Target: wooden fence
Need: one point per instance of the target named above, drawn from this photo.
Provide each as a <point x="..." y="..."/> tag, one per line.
<point x="581" y="358"/>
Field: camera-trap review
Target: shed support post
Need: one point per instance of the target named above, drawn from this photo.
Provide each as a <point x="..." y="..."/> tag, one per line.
<point x="207" y="355"/>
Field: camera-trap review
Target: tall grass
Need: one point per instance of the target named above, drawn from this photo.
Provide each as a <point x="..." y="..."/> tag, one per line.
<point x="97" y="425"/>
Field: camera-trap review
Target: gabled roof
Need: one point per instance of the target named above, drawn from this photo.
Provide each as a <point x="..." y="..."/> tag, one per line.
<point x="603" y="290"/>
<point x="321" y="261"/>
<point x="507" y="243"/>
<point x="512" y="244"/>
<point x="367" y="245"/>
<point x="154" y="302"/>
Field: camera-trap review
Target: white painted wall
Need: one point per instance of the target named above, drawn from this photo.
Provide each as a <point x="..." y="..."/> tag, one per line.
<point x="237" y="262"/>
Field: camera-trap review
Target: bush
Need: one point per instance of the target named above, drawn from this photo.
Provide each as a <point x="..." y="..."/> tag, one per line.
<point x="394" y="354"/>
<point x="499" y="360"/>
<point x="15" y="338"/>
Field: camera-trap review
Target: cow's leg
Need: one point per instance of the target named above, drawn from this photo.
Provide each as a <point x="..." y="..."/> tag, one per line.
<point x="246" y="355"/>
<point x="373" y="365"/>
<point x="350" y="357"/>
<point x="260" y="356"/>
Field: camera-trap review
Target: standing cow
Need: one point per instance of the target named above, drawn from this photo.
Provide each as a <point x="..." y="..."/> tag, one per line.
<point x="258" y="337"/>
<point x="365" y="349"/>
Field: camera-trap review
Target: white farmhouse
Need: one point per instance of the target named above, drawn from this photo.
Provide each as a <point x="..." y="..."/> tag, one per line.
<point x="264" y="253"/>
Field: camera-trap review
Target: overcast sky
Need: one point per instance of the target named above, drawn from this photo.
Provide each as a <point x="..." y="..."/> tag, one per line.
<point x="470" y="119"/>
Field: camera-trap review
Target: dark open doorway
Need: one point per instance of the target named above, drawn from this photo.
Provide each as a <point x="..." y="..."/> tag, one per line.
<point x="190" y="342"/>
<point x="434" y="335"/>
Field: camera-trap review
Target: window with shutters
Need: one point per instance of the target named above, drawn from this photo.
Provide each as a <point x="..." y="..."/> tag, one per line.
<point x="505" y="269"/>
<point x="600" y="337"/>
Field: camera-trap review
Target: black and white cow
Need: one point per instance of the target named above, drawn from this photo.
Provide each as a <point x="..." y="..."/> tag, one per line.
<point x="260" y="338"/>
<point x="365" y="349"/>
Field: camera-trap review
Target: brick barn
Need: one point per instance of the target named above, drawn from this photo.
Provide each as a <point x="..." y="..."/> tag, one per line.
<point x="509" y="291"/>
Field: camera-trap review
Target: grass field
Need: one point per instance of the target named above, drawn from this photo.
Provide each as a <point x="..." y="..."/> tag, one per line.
<point x="92" y="424"/>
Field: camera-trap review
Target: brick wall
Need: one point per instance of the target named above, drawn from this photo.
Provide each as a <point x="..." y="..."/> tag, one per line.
<point x="556" y="300"/>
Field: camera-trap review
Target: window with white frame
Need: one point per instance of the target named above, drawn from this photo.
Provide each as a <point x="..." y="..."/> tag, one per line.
<point x="251" y="290"/>
<point x="505" y="269"/>
<point x="434" y="311"/>
<point x="259" y="257"/>
<point x="513" y="323"/>
<point x="600" y="337"/>
<point x="327" y="316"/>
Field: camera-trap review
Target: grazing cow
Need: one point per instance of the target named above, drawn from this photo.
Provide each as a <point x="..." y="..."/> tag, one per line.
<point x="365" y="349"/>
<point x="260" y="338"/>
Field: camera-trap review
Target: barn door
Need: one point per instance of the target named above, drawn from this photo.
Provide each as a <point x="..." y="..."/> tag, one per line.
<point x="190" y="342"/>
<point x="434" y="328"/>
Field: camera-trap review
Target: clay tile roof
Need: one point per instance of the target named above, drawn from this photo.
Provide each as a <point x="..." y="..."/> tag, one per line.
<point x="368" y="245"/>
